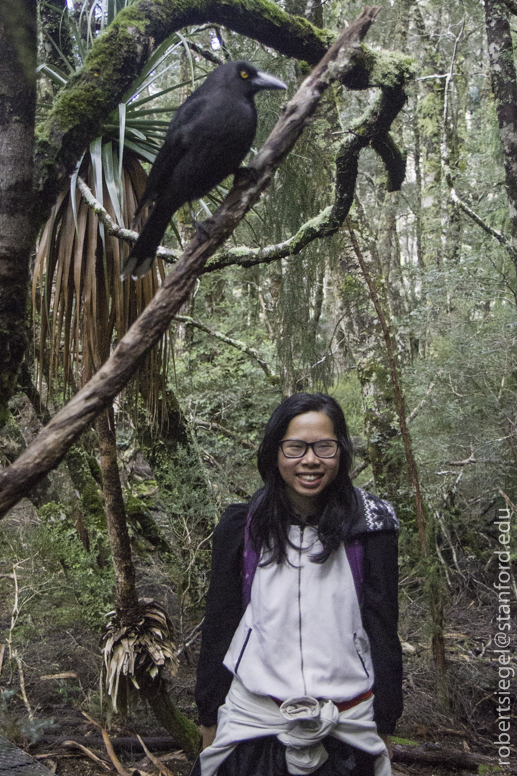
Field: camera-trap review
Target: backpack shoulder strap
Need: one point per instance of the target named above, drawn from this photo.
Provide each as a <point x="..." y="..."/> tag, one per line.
<point x="354" y="553"/>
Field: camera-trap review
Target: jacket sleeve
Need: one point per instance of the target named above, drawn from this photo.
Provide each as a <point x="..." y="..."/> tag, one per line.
<point x="224" y="609"/>
<point x="380" y="620"/>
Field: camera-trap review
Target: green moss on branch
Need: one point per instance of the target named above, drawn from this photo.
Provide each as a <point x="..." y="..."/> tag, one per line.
<point x="119" y="54"/>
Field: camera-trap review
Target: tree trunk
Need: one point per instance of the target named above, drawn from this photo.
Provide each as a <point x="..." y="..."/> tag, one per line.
<point x="384" y="449"/>
<point x="17" y="111"/>
<point x="183" y="731"/>
<point x="128" y="608"/>
<point x="126" y="599"/>
<point x="435" y="589"/>
<point x="398" y="394"/>
<point x="89" y="509"/>
<point x="504" y="87"/>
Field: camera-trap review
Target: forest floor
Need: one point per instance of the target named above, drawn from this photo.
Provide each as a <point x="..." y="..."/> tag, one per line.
<point x="61" y="668"/>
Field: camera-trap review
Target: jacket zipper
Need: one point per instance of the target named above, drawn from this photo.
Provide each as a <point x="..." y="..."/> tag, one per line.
<point x="243" y="648"/>
<point x="300" y="607"/>
<point x="360" y="656"/>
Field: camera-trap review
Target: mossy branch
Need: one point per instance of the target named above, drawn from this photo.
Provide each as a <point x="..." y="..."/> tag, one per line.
<point x="120" y="53"/>
<point x="246" y="349"/>
<point x="372" y="129"/>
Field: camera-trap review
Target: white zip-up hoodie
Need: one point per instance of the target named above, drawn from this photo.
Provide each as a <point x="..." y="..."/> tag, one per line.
<point x="302" y="633"/>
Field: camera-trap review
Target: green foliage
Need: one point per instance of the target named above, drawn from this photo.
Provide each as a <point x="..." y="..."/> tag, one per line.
<point x="189" y="503"/>
<point x="347" y="391"/>
<point x="89" y="586"/>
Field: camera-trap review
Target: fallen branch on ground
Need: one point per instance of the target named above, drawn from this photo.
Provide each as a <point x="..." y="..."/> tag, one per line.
<point x="119" y="743"/>
<point x="87" y="752"/>
<point x="433" y="754"/>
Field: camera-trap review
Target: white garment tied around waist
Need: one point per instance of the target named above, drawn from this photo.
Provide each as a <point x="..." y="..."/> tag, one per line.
<point x="300" y="724"/>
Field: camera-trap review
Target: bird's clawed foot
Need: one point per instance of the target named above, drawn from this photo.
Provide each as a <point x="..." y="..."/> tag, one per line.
<point x="245" y="175"/>
<point x="198" y="226"/>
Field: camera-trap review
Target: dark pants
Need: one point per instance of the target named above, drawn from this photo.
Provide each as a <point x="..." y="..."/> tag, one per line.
<point x="266" y="757"/>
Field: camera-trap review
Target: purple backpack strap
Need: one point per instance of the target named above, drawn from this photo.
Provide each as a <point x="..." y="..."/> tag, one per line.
<point x="354" y="553"/>
<point x="249" y="564"/>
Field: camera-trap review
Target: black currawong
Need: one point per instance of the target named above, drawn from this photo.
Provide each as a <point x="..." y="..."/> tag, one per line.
<point x="207" y="140"/>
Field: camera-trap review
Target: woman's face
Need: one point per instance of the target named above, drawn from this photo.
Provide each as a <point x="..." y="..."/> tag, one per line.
<point x="306" y="478"/>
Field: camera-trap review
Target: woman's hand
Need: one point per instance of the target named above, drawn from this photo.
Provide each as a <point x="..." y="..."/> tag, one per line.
<point x="208" y="735"/>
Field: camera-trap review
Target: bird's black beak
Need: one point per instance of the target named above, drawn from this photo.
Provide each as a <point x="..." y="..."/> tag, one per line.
<point x="266" y="81"/>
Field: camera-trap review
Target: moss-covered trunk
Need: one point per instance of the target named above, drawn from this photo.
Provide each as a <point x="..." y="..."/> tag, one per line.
<point x="184" y="732"/>
<point x="17" y="111"/>
<point x="385" y="451"/>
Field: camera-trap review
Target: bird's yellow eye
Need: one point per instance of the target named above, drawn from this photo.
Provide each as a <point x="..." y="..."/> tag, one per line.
<point x="245" y="74"/>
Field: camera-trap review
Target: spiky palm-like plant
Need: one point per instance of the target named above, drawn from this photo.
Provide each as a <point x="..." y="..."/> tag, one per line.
<point x="76" y="287"/>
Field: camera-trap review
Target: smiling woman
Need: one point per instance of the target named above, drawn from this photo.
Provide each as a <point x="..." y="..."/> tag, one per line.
<point x="300" y="667"/>
<point x="307" y="475"/>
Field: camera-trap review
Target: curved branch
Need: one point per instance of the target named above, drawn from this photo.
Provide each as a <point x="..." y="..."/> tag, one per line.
<point x="373" y="129"/>
<point x="68" y="424"/>
<point x="249" y="257"/>
<point x="240" y="256"/>
<point x="118" y="56"/>
<point x="394" y="160"/>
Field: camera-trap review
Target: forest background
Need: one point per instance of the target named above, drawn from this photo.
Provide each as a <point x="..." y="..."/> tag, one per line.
<point x="379" y="266"/>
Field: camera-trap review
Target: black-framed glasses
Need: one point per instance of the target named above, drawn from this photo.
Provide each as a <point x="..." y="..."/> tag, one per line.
<point x="296" y="448"/>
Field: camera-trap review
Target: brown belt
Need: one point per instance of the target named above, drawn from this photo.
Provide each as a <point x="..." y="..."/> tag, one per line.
<point x="343" y="705"/>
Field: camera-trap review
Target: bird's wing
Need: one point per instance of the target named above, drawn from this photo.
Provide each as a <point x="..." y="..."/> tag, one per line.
<point x="177" y="140"/>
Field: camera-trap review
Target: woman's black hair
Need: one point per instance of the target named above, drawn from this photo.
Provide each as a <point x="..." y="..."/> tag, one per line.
<point x="270" y="509"/>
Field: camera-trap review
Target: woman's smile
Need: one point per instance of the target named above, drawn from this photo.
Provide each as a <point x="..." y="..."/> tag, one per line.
<point x="310" y="479"/>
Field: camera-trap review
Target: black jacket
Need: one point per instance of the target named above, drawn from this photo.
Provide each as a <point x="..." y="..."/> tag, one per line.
<point x="376" y="526"/>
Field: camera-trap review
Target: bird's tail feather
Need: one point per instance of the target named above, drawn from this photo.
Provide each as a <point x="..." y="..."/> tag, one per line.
<point x="144" y="250"/>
